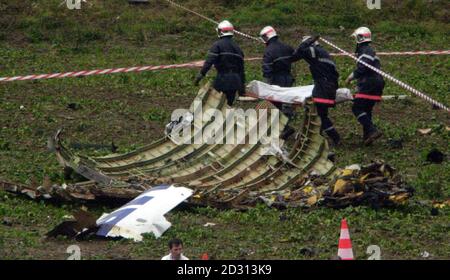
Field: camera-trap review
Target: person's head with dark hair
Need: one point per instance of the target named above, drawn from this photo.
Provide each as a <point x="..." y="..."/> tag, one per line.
<point x="175" y="242"/>
<point x="176" y="248"/>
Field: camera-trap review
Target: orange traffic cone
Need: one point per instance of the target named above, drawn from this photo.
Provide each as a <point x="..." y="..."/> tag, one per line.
<point x="345" y="251"/>
<point x="205" y="257"/>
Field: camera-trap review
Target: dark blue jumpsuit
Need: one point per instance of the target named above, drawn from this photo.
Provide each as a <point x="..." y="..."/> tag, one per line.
<point x="276" y="68"/>
<point x="228" y="59"/>
<point x="370" y="86"/>
<point x="325" y="75"/>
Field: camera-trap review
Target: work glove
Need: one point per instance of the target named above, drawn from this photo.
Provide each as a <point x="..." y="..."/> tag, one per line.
<point x="198" y="79"/>
<point x="315" y="38"/>
<point x="310" y="41"/>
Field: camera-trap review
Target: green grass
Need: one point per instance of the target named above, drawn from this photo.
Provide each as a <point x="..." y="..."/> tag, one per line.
<point x="132" y="109"/>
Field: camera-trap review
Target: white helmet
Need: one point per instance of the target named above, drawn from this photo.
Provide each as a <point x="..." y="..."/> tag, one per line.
<point x="267" y="33"/>
<point x="362" y="35"/>
<point x="225" y="28"/>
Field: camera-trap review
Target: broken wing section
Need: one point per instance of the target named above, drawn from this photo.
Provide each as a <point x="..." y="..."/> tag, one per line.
<point x="144" y="214"/>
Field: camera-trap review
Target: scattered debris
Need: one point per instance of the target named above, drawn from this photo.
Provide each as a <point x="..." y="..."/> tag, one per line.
<point x="435" y="156"/>
<point x="376" y="185"/>
<point x="434" y="211"/>
<point x="243" y="252"/>
<point x="81" y="225"/>
<point x="74" y="106"/>
<point x="425" y="131"/>
<point x="441" y="204"/>
<point x="209" y="224"/>
<point x="283" y="217"/>
<point x="396" y="143"/>
<point x="307" y="252"/>
<point x="7" y="221"/>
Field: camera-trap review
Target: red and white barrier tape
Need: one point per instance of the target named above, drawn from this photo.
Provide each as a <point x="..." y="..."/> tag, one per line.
<point x="102" y="72"/>
<point x="170" y="66"/>
<point x="404" y="53"/>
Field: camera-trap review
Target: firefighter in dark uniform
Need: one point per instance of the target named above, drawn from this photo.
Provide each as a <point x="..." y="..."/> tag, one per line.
<point x="325" y="75"/>
<point x="370" y="84"/>
<point x="276" y="70"/>
<point x="228" y="59"/>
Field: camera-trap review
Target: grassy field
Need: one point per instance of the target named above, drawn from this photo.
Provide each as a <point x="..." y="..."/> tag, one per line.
<point x="132" y="109"/>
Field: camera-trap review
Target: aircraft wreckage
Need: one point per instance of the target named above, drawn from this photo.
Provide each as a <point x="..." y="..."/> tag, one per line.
<point x="220" y="175"/>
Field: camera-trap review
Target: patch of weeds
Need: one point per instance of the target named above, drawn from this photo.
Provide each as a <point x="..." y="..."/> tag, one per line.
<point x="157" y="114"/>
<point x="432" y="182"/>
<point x="35" y="35"/>
<point x="4" y="145"/>
<point x="171" y="55"/>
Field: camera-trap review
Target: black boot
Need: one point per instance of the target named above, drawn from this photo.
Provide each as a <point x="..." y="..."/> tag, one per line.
<point x="334" y="136"/>
<point x="370" y="131"/>
<point x="371" y="136"/>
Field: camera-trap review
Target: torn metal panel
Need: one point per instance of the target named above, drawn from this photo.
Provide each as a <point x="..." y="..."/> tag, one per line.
<point x="144" y="214"/>
<point x="218" y="173"/>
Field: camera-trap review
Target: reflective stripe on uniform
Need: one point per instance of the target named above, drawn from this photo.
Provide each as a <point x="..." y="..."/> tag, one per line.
<point x="278" y="59"/>
<point x="368" y="96"/>
<point x="313" y="52"/>
<point x="233" y="54"/>
<point x="323" y="100"/>
<point x="281" y="58"/>
<point x="361" y="115"/>
<point x="373" y="58"/>
<point x="326" y="60"/>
